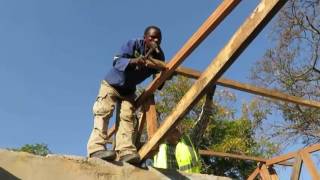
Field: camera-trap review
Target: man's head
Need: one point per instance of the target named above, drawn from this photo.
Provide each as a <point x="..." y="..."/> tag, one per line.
<point x="173" y="136"/>
<point x="152" y="36"/>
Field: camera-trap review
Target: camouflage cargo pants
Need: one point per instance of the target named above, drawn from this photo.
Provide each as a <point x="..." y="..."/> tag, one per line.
<point x="102" y="110"/>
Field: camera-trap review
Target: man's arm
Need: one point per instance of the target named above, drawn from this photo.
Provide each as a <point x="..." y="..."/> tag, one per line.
<point x="122" y="59"/>
<point x="201" y="124"/>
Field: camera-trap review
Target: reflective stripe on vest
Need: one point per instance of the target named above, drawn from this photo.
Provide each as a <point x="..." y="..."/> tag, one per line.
<point x="191" y="149"/>
<point x="185" y="167"/>
<point x="188" y="162"/>
<point x="160" y="159"/>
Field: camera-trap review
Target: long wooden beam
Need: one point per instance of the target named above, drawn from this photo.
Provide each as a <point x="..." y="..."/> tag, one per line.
<point x="254" y="174"/>
<point x="229" y="155"/>
<point x="281" y="158"/>
<point x="241" y="39"/>
<point x="191" y="73"/>
<point x="267" y="93"/>
<point x="205" y="29"/>
<point x="264" y="172"/>
<point x="151" y="116"/>
<point x="288" y="156"/>
<point x="306" y="158"/>
<point x="312" y="148"/>
<point x="236" y="156"/>
<point x="295" y="175"/>
<point x="273" y="173"/>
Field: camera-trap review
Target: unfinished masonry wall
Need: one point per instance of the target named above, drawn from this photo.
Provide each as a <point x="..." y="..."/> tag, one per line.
<point x="20" y="165"/>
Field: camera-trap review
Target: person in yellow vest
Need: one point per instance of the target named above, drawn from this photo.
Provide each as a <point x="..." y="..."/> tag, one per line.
<point x="187" y="156"/>
<point x="165" y="158"/>
<point x="179" y="151"/>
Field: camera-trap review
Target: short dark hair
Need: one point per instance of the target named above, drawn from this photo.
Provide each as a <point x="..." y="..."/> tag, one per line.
<point x="152" y="27"/>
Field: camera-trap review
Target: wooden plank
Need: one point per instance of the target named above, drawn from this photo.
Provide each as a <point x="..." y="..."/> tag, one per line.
<point x="312" y="148"/>
<point x="151" y="116"/>
<point x="264" y="173"/>
<point x="281" y="158"/>
<point x="274" y="176"/>
<point x="241" y="39"/>
<point x="296" y="168"/>
<point x="204" y="30"/>
<point x="273" y="173"/>
<point x="309" y="164"/>
<point x="254" y="174"/>
<point x="243" y="87"/>
<point x="267" y="93"/>
<point x="236" y="156"/>
<point x="229" y="155"/>
<point x="188" y="72"/>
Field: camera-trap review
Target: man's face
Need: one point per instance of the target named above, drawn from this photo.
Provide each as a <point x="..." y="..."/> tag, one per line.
<point x="152" y="36"/>
<point x="173" y="136"/>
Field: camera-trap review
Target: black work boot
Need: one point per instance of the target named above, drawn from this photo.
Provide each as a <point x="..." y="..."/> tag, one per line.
<point x="104" y="154"/>
<point x="130" y="158"/>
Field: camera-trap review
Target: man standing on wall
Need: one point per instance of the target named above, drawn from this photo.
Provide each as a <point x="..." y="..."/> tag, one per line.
<point x="119" y="85"/>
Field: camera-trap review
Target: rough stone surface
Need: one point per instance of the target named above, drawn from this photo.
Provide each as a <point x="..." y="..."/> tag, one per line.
<point x="20" y="165"/>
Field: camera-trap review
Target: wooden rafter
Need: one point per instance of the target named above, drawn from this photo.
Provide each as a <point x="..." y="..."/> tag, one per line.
<point x="191" y="73"/>
<point x="303" y="156"/>
<point x="296" y="168"/>
<point x="306" y="158"/>
<point x="205" y="29"/>
<point x="241" y="39"/>
<point x="273" y="173"/>
<point x="264" y="172"/>
<point x="151" y="116"/>
<point x="312" y="148"/>
<point x="254" y="174"/>
<point x="281" y="158"/>
<point x="222" y="11"/>
<point x="291" y="155"/>
<point x="236" y="156"/>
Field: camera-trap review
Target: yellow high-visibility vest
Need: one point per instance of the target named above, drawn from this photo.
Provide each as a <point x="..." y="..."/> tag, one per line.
<point x="166" y="157"/>
<point x="187" y="157"/>
<point x="160" y="159"/>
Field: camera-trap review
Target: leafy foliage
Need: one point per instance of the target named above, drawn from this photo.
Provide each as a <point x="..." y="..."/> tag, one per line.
<point x="289" y="67"/>
<point x="225" y="132"/>
<point x="37" y="149"/>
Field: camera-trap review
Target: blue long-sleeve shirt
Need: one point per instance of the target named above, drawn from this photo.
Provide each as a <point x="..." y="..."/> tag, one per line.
<point x="124" y="77"/>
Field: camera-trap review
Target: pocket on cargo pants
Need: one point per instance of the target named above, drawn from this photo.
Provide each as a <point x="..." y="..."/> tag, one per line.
<point x="103" y="107"/>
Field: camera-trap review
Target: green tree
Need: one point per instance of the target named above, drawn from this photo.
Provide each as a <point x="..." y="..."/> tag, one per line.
<point x="37" y="149"/>
<point x="289" y="67"/>
<point x="225" y="133"/>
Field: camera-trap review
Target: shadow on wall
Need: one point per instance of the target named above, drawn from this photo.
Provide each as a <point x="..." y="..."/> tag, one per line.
<point x="171" y="174"/>
<point x="5" y="175"/>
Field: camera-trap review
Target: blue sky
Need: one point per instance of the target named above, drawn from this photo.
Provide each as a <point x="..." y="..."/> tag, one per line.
<point x="53" y="55"/>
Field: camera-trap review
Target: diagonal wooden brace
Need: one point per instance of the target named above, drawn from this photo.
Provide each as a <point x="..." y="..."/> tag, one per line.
<point x="241" y="39"/>
<point x="205" y="29"/>
<point x="191" y="73"/>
